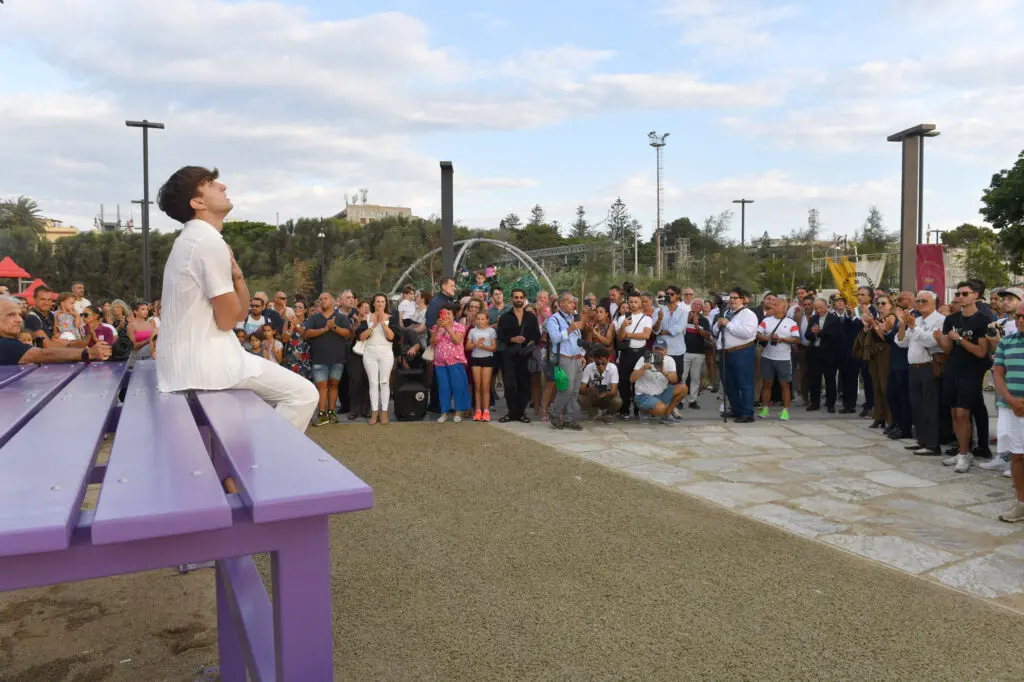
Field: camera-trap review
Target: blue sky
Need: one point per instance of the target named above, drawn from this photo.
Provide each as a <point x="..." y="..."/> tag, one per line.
<point x="301" y="101"/>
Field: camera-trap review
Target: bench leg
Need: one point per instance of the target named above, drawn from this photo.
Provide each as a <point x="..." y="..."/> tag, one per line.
<point x="229" y="643"/>
<point x="303" y="622"/>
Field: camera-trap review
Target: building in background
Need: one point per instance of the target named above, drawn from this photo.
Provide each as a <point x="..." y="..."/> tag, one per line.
<point x="56" y="229"/>
<point x="366" y="213"/>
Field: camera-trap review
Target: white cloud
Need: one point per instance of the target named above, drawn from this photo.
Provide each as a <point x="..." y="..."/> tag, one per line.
<point x="727" y="25"/>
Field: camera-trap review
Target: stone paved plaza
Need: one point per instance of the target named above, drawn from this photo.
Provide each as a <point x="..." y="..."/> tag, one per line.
<point x="828" y="478"/>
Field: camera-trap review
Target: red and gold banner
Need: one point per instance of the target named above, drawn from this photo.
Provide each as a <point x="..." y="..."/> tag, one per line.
<point x="931" y="270"/>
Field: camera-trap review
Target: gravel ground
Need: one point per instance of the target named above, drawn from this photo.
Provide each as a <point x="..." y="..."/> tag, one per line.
<point x="500" y="559"/>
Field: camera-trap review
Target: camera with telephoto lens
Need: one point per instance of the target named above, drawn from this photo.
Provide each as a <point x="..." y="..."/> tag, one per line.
<point x="993" y="330"/>
<point x="121" y="349"/>
<point x="599" y="385"/>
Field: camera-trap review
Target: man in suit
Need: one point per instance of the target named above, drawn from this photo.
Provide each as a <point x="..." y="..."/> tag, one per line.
<point x="825" y="333"/>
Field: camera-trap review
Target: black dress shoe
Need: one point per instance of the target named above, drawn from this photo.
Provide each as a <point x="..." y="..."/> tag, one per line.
<point x="878" y="423"/>
<point x="866" y="412"/>
<point x="912" y="447"/>
<point x="831" y="410"/>
<point x="813" y="408"/>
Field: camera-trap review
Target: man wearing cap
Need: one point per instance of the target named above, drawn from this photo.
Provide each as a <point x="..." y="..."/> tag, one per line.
<point x="656" y="387"/>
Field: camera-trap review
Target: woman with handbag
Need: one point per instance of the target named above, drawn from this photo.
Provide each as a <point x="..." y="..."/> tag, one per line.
<point x="377" y="338"/>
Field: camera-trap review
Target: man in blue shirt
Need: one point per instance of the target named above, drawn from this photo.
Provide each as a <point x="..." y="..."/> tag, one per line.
<point x="565" y="353"/>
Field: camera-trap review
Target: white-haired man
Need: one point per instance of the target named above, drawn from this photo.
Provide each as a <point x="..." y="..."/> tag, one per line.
<point x="917" y="335"/>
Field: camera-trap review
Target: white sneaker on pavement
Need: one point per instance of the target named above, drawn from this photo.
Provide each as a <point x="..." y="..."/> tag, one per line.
<point x="676" y="413"/>
<point x="457" y="418"/>
<point x="1007" y="474"/>
<point x="1015" y="515"/>
<point x="950" y="461"/>
<point x="995" y="464"/>
<point x="963" y="463"/>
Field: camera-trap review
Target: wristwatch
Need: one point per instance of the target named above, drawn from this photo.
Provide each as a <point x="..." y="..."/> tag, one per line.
<point x="85" y="355"/>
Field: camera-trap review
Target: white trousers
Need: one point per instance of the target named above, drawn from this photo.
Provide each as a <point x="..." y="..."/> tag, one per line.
<point x="378" y="361"/>
<point x="693" y="369"/>
<point x="291" y="395"/>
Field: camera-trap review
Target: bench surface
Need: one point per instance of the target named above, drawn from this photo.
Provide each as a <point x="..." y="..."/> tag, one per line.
<point x="160" y="479"/>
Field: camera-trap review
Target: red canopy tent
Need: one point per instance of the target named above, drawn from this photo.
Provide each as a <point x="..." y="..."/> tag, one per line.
<point x="11" y="270"/>
<point x="30" y="293"/>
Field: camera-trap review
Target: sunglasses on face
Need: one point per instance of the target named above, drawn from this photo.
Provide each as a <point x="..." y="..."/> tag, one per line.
<point x="734" y="298"/>
<point x="964" y="293"/>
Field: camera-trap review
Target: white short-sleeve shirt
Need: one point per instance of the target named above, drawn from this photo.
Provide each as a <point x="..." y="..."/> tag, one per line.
<point x="637" y="325"/>
<point x="786" y="328"/>
<point x="194" y="353"/>
<point x="610" y="376"/>
<point x="653" y="382"/>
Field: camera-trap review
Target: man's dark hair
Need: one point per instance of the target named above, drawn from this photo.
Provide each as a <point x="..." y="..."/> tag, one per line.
<point x="513" y="292"/>
<point x="739" y="292"/>
<point x="598" y="351"/>
<point x="445" y="280"/>
<point x="871" y="292"/>
<point x="615" y="287"/>
<point x="633" y="293"/>
<point x="42" y="289"/>
<point x="176" y="195"/>
<point x="808" y="297"/>
<point x="674" y="289"/>
<point x="981" y="285"/>
<point x="497" y="288"/>
<point x="972" y="284"/>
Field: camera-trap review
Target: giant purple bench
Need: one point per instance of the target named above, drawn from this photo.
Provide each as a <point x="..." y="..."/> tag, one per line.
<point x="162" y="504"/>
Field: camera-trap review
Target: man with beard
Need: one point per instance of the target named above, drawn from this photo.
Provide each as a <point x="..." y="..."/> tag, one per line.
<point x="520" y="331"/>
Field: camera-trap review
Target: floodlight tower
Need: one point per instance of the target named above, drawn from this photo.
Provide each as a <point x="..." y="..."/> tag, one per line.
<point x="657" y="141"/>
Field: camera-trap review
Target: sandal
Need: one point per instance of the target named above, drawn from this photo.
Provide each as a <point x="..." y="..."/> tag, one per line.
<point x="504" y="420"/>
<point x="524" y="419"/>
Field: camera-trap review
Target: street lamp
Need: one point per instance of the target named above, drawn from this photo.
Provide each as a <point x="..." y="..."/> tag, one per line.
<point x="322" y="236"/>
<point x="145" y="125"/>
<point x="657" y="141"/>
<point x="743" y="217"/>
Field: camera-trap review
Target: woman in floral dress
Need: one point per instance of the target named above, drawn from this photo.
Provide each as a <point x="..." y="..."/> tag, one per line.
<point x="296" y="352"/>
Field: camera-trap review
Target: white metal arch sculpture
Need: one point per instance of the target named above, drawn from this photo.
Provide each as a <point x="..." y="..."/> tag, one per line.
<point x="521" y="255"/>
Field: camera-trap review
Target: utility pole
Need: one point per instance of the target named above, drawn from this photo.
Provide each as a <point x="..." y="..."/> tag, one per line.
<point x="145" y="125"/>
<point x="657" y="141"/>
<point x="743" y="217"/>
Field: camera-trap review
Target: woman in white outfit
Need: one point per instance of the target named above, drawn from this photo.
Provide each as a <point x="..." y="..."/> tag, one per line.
<point x="378" y="356"/>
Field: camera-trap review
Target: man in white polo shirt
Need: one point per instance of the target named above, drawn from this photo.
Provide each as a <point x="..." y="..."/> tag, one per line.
<point x="204" y="297"/>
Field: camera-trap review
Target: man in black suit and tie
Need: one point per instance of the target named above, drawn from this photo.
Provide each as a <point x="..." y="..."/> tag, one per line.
<point x="825" y="333"/>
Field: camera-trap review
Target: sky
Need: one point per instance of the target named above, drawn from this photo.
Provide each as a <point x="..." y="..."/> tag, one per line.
<point x="300" y="102"/>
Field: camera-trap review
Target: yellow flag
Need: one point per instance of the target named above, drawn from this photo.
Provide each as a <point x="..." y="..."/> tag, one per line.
<point x="845" y="275"/>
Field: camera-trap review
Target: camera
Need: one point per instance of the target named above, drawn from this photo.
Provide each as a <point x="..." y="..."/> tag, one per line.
<point x="121" y="349"/>
<point x="992" y="331"/>
<point x="648" y="357"/>
<point x="773" y="342"/>
<point x="600" y="386"/>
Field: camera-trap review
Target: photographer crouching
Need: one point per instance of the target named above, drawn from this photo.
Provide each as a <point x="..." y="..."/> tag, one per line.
<point x="599" y="387"/>
<point x="656" y="387"/>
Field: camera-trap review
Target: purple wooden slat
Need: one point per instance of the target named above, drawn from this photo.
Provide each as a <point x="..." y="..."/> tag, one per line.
<point x="11" y="373"/>
<point x="160" y="480"/>
<point x="280" y="472"/>
<point x="21" y="399"/>
<point x="43" y="475"/>
<point x="248" y="606"/>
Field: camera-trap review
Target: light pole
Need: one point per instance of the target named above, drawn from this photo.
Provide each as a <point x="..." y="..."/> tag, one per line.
<point x="322" y="236"/>
<point x="743" y="217"/>
<point x="658" y="141"/>
<point x="911" y="199"/>
<point x="145" y="125"/>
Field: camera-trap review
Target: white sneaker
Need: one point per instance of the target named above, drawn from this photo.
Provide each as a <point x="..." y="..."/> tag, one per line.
<point x="457" y="418"/>
<point x="442" y="419"/>
<point x="1015" y="515"/>
<point x="599" y="415"/>
<point x="963" y="463"/>
<point x="950" y="461"/>
<point x="677" y="413"/>
<point x="1007" y="474"/>
<point x="995" y="464"/>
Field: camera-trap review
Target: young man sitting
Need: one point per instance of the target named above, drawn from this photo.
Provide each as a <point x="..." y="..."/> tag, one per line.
<point x="599" y="385"/>
<point x="656" y="387"/>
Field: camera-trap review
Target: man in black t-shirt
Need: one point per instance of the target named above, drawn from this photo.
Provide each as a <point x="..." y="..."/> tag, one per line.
<point x="327" y="332"/>
<point x="40" y="318"/>
<point x="964" y="337"/>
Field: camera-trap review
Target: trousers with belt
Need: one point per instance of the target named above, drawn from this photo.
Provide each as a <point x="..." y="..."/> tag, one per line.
<point x="823" y="363"/>
<point x="566" y="405"/>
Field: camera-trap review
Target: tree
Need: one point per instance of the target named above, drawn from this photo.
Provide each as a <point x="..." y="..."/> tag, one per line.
<point x="579" y="227"/>
<point x="1004" y="210"/>
<point x="962" y="235"/>
<point x="511" y="222"/>
<point x="873" y="237"/>
<point x="21" y="212"/>
<point x="985" y="258"/>
<point x="536" y="215"/>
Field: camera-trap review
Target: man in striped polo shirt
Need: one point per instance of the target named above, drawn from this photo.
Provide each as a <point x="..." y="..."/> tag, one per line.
<point x="1009" y="375"/>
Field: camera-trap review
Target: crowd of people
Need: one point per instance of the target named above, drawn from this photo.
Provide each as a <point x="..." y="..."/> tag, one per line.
<point x="921" y="366"/>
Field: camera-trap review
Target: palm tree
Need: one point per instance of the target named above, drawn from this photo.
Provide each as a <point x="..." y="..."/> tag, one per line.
<point x="21" y="212"/>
